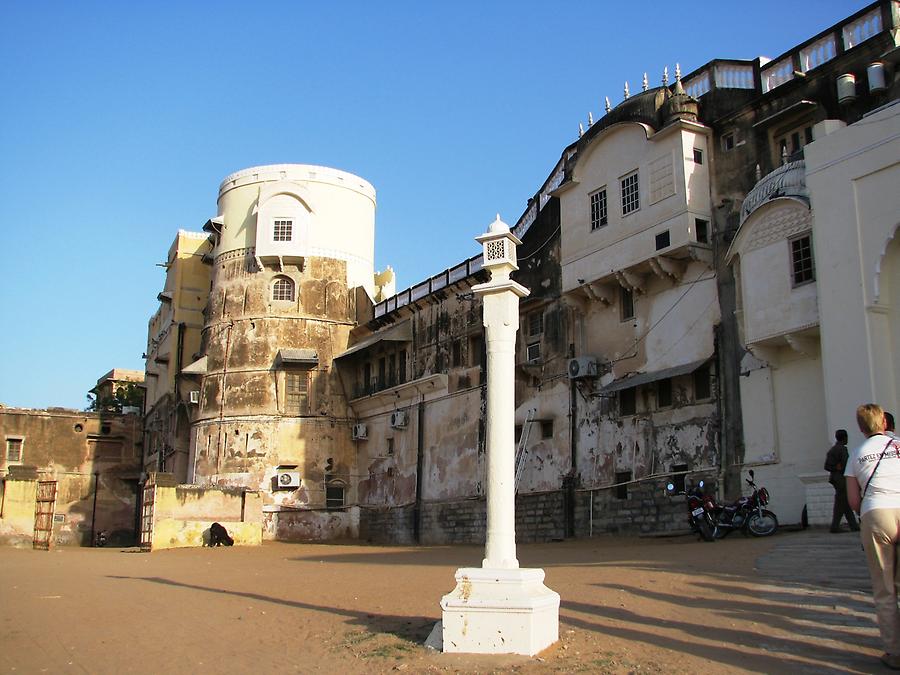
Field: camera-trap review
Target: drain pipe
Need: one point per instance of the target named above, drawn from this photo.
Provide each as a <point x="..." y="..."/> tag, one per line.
<point x="94" y="509"/>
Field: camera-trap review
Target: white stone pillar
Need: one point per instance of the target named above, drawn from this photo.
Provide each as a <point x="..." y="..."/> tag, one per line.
<point x="499" y="608"/>
<point x="501" y="320"/>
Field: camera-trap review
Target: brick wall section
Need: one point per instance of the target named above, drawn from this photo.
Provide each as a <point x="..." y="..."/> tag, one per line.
<point x="648" y="510"/>
<point x="539" y="517"/>
<point x="387" y="525"/>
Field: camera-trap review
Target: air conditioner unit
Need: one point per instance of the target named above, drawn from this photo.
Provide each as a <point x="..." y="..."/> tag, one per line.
<point x="288" y="479"/>
<point x="195" y="397"/>
<point x="360" y="432"/>
<point x="581" y="367"/>
<point x="399" y="419"/>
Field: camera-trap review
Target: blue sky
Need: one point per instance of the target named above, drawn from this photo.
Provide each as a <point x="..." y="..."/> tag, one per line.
<point x="119" y="120"/>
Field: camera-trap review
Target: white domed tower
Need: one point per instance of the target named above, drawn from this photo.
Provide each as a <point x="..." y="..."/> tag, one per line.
<point x="293" y="245"/>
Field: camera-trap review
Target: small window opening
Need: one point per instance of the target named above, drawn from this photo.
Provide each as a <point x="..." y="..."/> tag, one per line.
<point x="546" y="428"/>
<point x="664" y="393"/>
<point x="679" y="471"/>
<point x="698" y="156"/>
<point x="701" y="229"/>
<point x="702" y="385"/>
<point x="663" y="240"/>
<point x="622" y="480"/>
<point x="626" y="299"/>
<point x="627" y="401"/>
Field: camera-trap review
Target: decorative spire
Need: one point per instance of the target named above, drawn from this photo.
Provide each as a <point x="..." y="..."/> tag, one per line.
<point x="627" y="93"/>
<point x="666" y="76"/>
<point x="590" y="119"/>
<point x="580" y="130"/>
<point x="758" y="173"/>
<point x="644" y="84"/>
<point x="608" y="106"/>
<point x="678" y="72"/>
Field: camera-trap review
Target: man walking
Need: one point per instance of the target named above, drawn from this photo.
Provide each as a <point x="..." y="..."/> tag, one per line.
<point x="835" y="463"/>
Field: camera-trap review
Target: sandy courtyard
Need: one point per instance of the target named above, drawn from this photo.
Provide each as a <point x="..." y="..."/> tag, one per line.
<point x="628" y="605"/>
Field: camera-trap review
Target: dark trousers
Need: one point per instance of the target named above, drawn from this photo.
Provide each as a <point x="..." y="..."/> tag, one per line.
<point x="842" y="508"/>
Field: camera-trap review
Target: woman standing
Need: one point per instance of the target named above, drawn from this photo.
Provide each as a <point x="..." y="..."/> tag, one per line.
<point x="873" y="483"/>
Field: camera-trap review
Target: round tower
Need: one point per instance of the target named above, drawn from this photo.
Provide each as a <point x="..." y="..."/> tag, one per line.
<point x="292" y="244"/>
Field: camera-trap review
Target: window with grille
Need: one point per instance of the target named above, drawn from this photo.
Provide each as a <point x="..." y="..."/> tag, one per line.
<point x="598" y="208"/>
<point x="631" y="200"/>
<point x="283" y="289"/>
<point x="14" y="449"/>
<point x="296" y="393"/>
<point x="802" y="266"/>
<point x="334" y="496"/>
<point x="536" y="323"/>
<point x="533" y="352"/>
<point x="283" y="230"/>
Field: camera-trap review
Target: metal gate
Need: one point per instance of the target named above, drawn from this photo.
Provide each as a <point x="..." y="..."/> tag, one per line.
<point x="147" y="502"/>
<point x="44" y="506"/>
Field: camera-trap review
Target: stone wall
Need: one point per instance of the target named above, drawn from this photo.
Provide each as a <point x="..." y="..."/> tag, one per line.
<point x="388" y="525"/>
<point x="647" y="510"/>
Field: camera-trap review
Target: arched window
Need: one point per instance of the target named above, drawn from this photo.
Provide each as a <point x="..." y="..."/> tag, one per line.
<point x="283" y="289"/>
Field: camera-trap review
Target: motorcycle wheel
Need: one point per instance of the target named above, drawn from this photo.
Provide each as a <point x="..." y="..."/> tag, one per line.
<point x="706" y="530"/>
<point x="762" y="525"/>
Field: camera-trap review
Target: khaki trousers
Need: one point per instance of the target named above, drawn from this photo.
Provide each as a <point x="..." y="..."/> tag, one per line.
<point x="880" y="535"/>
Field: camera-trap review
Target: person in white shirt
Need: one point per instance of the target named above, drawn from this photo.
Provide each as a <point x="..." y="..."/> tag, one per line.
<point x="873" y="490"/>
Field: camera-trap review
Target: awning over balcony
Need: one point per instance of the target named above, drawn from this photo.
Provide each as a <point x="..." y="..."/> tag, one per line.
<point x="402" y="332"/>
<point x="198" y="367"/>
<point x="297" y="357"/>
<point x="645" y="378"/>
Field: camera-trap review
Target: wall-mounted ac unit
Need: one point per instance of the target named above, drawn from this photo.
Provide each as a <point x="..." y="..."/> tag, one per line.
<point x="195" y="397"/>
<point x="288" y="479"/>
<point x="360" y="432"/>
<point x="581" y="367"/>
<point x="399" y="419"/>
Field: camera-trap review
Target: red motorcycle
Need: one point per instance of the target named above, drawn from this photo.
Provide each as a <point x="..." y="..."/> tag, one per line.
<point x="700" y="510"/>
<point x="746" y="514"/>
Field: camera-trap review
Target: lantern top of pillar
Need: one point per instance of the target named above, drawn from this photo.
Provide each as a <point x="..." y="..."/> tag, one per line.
<point x="496" y="230"/>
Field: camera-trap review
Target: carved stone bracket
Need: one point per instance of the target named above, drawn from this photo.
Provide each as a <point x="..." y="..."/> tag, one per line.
<point x="667" y="268"/>
<point x="631" y="281"/>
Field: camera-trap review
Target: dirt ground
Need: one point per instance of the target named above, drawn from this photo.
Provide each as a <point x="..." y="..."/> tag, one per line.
<point x="628" y="606"/>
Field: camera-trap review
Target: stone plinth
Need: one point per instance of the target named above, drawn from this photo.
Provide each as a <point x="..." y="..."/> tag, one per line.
<point x="500" y="611"/>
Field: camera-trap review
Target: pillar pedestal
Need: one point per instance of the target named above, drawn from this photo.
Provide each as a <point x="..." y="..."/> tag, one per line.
<point x="501" y="611"/>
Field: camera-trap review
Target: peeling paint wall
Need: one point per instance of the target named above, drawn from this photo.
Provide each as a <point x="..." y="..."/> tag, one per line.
<point x="93" y="457"/>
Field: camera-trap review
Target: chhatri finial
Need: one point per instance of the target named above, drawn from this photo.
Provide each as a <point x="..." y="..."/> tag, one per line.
<point x="678" y="72"/>
<point x="758" y="173"/>
<point x="644" y="84"/>
<point x="608" y="106"/>
<point x="580" y="130"/>
<point x="666" y="76"/>
<point x="627" y="93"/>
<point x="590" y="119"/>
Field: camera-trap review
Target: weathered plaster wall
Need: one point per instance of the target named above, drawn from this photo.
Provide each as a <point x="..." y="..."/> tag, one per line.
<point x="182" y="516"/>
<point x="17" y="514"/>
<point x="88" y="455"/>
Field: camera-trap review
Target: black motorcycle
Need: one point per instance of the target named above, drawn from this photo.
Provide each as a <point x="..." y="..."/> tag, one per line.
<point x="746" y="514"/>
<point x="700" y="516"/>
